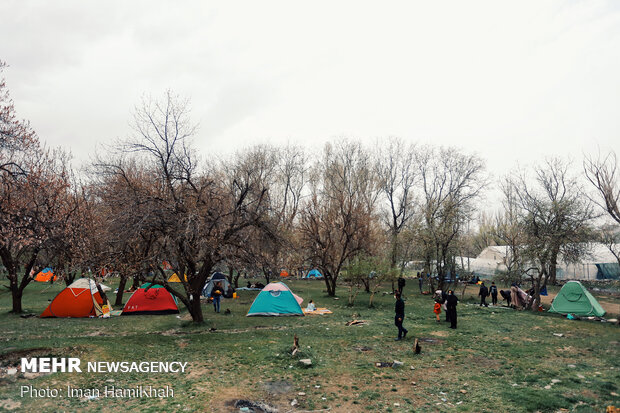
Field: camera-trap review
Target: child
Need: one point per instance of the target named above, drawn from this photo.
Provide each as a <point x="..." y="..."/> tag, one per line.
<point x="311" y="306"/>
<point x="437" y="309"/>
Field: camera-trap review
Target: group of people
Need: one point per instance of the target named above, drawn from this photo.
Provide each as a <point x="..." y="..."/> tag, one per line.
<point x="448" y="303"/>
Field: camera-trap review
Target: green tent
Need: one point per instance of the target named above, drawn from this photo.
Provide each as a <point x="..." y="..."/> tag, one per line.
<point x="573" y="298"/>
<point x="276" y="299"/>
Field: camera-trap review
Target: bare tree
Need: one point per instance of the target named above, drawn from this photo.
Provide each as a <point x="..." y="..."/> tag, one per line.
<point x="198" y="216"/>
<point x="451" y="181"/>
<point x="554" y="218"/>
<point x="397" y="174"/>
<point x="602" y="173"/>
<point x="509" y="231"/>
<point x="337" y="220"/>
<point x="34" y="196"/>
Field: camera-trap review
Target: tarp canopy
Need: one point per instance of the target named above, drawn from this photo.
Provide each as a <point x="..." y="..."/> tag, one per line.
<point x="80" y="299"/>
<point x="151" y="299"/>
<point x="215" y="278"/>
<point x="276" y="299"/>
<point x="574" y="299"/>
<point x="609" y="271"/>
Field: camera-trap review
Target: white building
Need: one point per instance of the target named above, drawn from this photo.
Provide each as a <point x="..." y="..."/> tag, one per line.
<point x="493" y="259"/>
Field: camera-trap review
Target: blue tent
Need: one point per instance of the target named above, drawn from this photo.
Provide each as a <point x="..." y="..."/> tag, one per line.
<point x="276" y="299"/>
<point x="215" y="277"/>
<point x="314" y="274"/>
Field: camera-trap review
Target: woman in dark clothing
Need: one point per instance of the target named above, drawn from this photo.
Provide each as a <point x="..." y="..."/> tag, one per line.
<point x="451" y="303"/>
<point x="399" y="317"/>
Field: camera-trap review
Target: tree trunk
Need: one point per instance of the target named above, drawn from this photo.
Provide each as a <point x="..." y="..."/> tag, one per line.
<point x="121" y="290"/>
<point x="553" y="264"/>
<point x="16" y="293"/>
<point x="367" y="285"/>
<point x="195" y="310"/>
<point x="330" y="283"/>
<point x="231" y="272"/>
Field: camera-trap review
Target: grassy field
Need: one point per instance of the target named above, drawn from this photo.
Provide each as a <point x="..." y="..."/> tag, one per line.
<point x="498" y="360"/>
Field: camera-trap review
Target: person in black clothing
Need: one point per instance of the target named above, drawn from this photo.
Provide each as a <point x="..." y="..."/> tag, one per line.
<point x="451" y="303"/>
<point x="506" y="296"/>
<point x="444" y="299"/>
<point x="401" y="284"/>
<point x="483" y="293"/>
<point x="493" y="291"/>
<point x="399" y="317"/>
<point x="420" y="282"/>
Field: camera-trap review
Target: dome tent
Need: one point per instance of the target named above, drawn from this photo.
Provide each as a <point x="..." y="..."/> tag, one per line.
<point x="276" y="299"/>
<point x="151" y="299"/>
<point x="80" y="299"/>
<point x="314" y="274"/>
<point x="574" y="299"/>
<point x="215" y="278"/>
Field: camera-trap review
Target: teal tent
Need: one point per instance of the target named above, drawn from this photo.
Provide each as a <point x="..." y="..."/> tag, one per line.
<point x="574" y="299"/>
<point x="314" y="274"/>
<point x="276" y="299"/>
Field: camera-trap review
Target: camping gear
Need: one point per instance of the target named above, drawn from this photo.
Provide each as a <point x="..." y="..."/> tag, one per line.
<point x="283" y="273"/>
<point x="574" y="299"/>
<point x="276" y="299"/>
<point x="80" y="299"/>
<point x="313" y="274"/>
<point x="317" y="311"/>
<point x="174" y="278"/>
<point x="151" y="299"/>
<point x="45" y="275"/>
<point x="215" y="278"/>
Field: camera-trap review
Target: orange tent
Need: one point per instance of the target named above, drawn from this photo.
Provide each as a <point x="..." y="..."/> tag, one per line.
<point x="45" y="275"/>
<point x="283" y="273"/>
<point x="80" y="299"/>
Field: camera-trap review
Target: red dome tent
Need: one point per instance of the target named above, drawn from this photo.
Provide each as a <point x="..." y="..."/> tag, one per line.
<point x="151" y="299"/>
<point x="80" y="299"/>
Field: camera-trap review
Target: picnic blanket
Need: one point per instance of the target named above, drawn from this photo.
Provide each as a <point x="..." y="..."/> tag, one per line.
<point x="319" y="311"/>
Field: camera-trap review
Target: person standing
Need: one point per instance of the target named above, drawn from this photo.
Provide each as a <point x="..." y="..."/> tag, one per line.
<point x="216" y="294"/>
<point x="493" y="291"/>
<point x="437" y="309"/>
<point x="401" y="284"/>
<point x="451" y="303"/>
<point x="399" y="317"/>
<point x="420" y="281"/>
<point x="483" y="293"/>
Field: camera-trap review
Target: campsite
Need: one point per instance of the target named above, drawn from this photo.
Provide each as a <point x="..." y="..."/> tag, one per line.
<point x="515" y="361"/>
<point x="310" y="207"/>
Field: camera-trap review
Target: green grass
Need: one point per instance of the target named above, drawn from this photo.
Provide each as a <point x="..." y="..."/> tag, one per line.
<point x="497" y="360"/>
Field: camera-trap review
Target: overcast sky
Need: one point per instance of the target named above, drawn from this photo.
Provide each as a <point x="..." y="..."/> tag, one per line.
<point x="512" y="81"/>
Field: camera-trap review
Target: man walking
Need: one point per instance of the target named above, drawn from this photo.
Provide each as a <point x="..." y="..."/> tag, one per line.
<point x="399" y="317"/>
<point x="493" y="291"/>
<point x="451" y="303"/>
<point x="483" y="293"/>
